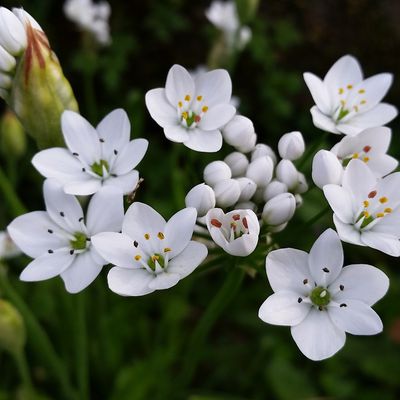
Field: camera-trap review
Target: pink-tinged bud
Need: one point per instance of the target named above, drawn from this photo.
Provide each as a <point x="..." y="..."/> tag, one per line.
<point x="202" y="198"/>
<point x="227" y="192"/>
<point x="326" y="169"/>
<point x="215" y="172"/>
<point x="238" y="163"/>
<point x="291" y="146"/>
<point x="279" y="209"/>
<point x="260" y="171"/>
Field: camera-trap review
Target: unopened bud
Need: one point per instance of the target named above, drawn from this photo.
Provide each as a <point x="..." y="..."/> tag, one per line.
<point x="248" y="145"/>
<point x="12" y="136"/>
<point x="247" y="188"/>
<point x="238" y="163"/>
<point x="326" y="168"/>
<point x="291" y="146"/>
<point x="302" y="185"/>
<point x="238" y="131"/>
<point x="227" y="192"/>
<point x="260" y="171"/>
<point x="202" y="198"/>
<point x="261" y="150"/>
<point x="273" y="189"/>
<point x="7" y="61"/>
<point x="279" y="209"/>
<point x="287" y="173"/>
<point x="12" y="32"/>
<point x="215" y="172"/>
<point x="12" y="328"/>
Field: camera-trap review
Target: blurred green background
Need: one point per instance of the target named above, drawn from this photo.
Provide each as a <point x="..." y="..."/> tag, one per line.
<point x="142" y="348"/>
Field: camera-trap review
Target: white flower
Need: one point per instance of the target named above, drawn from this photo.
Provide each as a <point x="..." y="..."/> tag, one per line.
<point x="94" y="157"/>
<point x="8" y="248"/>
<point x="59" y="239"/>
<point x="291" y="145"/>
<point x="150" y="254"/>
<point x="326" y="168"/>
<point x="236" y="232"/>
<point x="90" y="17"/>
<point x="237" y="162"/>
<point x="202" y="198"/>
<point x="367" y="209"/>
<point x="227" y="192"/>
<point x="280" y="209"/>
<point x="369" y="146"/>
<point x="345" y="102"/>
<point x="191" y="111"/>
<point x="319" y="300"/>
<point x="215" y="172"/>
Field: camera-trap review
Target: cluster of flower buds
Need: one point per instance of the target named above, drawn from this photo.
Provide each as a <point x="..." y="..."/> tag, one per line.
<point x="256" y="181"/>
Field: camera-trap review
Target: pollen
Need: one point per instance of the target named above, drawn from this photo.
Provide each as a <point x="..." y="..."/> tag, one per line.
<point x="349" y="87"/>
<point x="138" y="257"/>
<point x="204" y="109"/>
<point x="343" y="103"/>
<point x="160" y="235"/>
<point x="388" y="210"/>
<point x="167" y="249"/>
<point x="199" y="98"/>
<point x="366" y="203"/>
<point x="363" y="102"/>
<point x="383" y="200"/>
<point x="380" y="215"/>
<point x="341" y="90"/>
<point x="372" y="194"/>
<point x="361" y="91"/>
<point x="180" y="104"/>
<point x="366" y="159"/>
<point x="187" y="98"/>
<point x="367" y="149"/>
<point x="185" y="115"/>
<point x="216" y="223"/>
<point x="355" y="155"/>
<point x="146" y="236"/>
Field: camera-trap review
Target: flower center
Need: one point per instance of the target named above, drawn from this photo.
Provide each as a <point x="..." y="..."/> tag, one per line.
<point x="360" y="155"/>
<point x="79" y="242"/>
<point x="320" y="297"/>
<point x="154" y="259"/>
<point x="191" y="111"/>
<point x="374" y="207"/>
<point x="350" y="101"/>
<point x="98" y="167"/>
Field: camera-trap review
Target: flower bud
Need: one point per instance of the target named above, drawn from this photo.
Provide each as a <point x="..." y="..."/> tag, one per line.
<point x="238" y="131"/>
<point x="326" y="168"/>
<point x="260" y="171"/>
<point x="261" y="150"/>
<point x="279" y="209"/>
<point x="277" y="228"/>
<point x="215" y="172"/>
<point x="291" y="146"/>
<point x="273" y="189"/>
<point x="238" y="163"/>
<point x="227" y="192"/>
<point x="247" y="145"/>
<point x="246" y="205"/>
<point x="12" y="32"/>
<point x="302" y="185"/>
<point x="202" y="198"/>
<point x="12" y="136"/>
<point x="247" y="188"/>
<point x="12" y="328"/>
<point x="7" y="61"/>
<point x="299" y="200"/>
<point x="287" y="173"/>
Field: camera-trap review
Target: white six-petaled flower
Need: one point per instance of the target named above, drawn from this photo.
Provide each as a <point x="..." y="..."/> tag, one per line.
<point x="319" y="299"/>
<point x="236" y="232"/>
<point x="191" y="111"/>
<point x="150" y="254"/>
<point x="366" y="209"/>
<point x="59" y="239"/>
<point x="346" y="103"/>
<point x="94" y="157"/>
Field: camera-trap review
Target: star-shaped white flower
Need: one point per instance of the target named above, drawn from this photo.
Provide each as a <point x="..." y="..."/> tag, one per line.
<point x="319" y="299"/>
<point x="93" y="157"/>
<point x="236" y="232"/>
<point x="367" y="209"/>
<point x="191" y="111"/>
<point x="150" y="254"/>
<point x="59" y="239"/>
<point x="346" y="103"/>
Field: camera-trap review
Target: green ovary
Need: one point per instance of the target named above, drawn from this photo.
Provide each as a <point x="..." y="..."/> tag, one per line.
<point x="156" y="258"/>
<point x="97" y="167"/>
<point x="320" y="297"/>
<point x="79" y="242"/>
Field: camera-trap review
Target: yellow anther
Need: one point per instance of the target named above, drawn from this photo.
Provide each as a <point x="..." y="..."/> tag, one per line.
<point x="355" y="155"/>
<point x="204" y="109"/>
<point x="361" y="91"/>
<point x="363" y="101"/>
<point x="388" y="210"/>
<point x="233" y="225"/>
<point x="355" y="108"/>
<point x="187" y="98"/>
<point x="138" y="257"/>
<point x="349" y="87"/>
<point x="342" y="102"/>
<point x="180" y="104"/>
<point x="160" y="235"/>
<point x="383" y="200"/>
<point x="167" y="249"/>
<point x="185" y="115"/>
<point x="146" y="236"/>
<point x="380" y="215"/>
<point x="366" y="159"/>
<point x="155" y="258"/>
<point x="366" y="214"/>
<point x="199" y="98"/>
<point x="341" y="90"/>
<point x="366" y="203"/>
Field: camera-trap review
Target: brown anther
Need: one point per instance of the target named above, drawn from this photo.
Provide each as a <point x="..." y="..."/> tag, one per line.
<point x="244" y="220"/>
<point x="236" y="217"/>
<point x="135" y="243"/>
<point x="146" y="236"/>
<point x="197" y="118"/>
<point x="216" y="223"/>
<point x="160" y="235"/>
<point x="325" y="270"/>
<point x="366" y="149"/>
<point x="372" y="194"/>
<point x="341" y="287"/>
<point x="305" y="281"/>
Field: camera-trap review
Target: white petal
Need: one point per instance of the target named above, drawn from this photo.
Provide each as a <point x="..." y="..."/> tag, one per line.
<point x="360" y="282"/>
<point x="326" y="258"/>
<point x="30" y="232"/>
<point x="215" y="87"/>
<point x="322" y="121"/>
<point x="164" y="280"/>
<point x="114" y="129"/>
<point x="179" y="84"/>
<point x="85" y="186"/>
<point x="130" y="156"/>
<point x="81" y="273"/>
<point x="80" y="137"/>
<point x="63" y="209"/>
<point x="176" y="133"/>
<point x="47" y="266"/>
<point x="160" y="109"/>
<point x="12" y="33"/>
<point x="382" y="164"/>
<point x="217" y="116"/>
<point x="116" y="248"/>
<point x="386" y="243"/>
<point x="188" y="260"/>
<point x="105" y="211"/>
<point x="179" y="230"/>
<point x="242" y="246"/>
<point x="318" y="92"/>
<point x="130" y="282"/>
<point x="390" y="225"/>
<point x="356" y="318"/>
<point x="58" y="163"/>
<point x="283" y="308"/>
<point x="7" y="61"/>
<point x="317" y="337"/>
<point x="347" y="232"/>
<point x="340" y="201"/>
<point x="126" y="183"/>
<point x="287" y="269"/>
<point x="204" y="141"/>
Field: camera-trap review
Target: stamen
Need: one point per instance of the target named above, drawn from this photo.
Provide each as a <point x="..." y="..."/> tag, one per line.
<point x="244" y="221"/>
<point x="325" y="270"/>
<point x="160" y="235"/>
<point x="115" y="152"/>
<point x="233" y="225"/>
<point x="101" y="140"/>
<point x="204" y="109"/>
<point x="75" y="154"/>
<point x="388" y="210"/>
<point x="363" y="102"/>
<point x="383" y="200"/>
<point x="185" y="115"/>
<point x="180" y="104"/>
<point x="355" y="155"/>
<point x="155" y="258"/>
<point x="299" y="300"/>
<point x="135" y="243"/>
<point x="366" y="203"/>
<point x="366" y="214"/>
<point x="216" y="223"/>
<point x="83" y="169"/>
<point x="355" y="108"/>
<point x="343" y="103"/>
<point x="197" y="118"/>
<point x="138" y="257"/>
<point x="349" y="87"/>
<point x="71" y="252"/>
<point x="341" y="287"/>
<point x="305" y="281"/>
<point x="341" y="90"/>
<point x="372" y="194"/>
<point x="380" y="215"/>
<point x="367" y="149"/>
<point x="366" y="159"/>
<point x="146" y="236"/>
<point x="50" y="230"/>
<point x="199" y="98"/>
<point x="167" y="249"/>
<point x="50" y="251"/>
<point x="187" y="98"/>
<point x="361" y="91"/>
<point x="343" y="305"/>
<point x="236" y="217"/>
<point x="62" y="214"/>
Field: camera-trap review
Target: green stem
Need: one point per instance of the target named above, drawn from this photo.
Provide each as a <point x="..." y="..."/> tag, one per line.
<point x="82" y="365"/>
<point x="10" y="196"/>
<point x="39" y="339"/>
<point x="23" y="369"/>
<point x="221" y="300"/>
